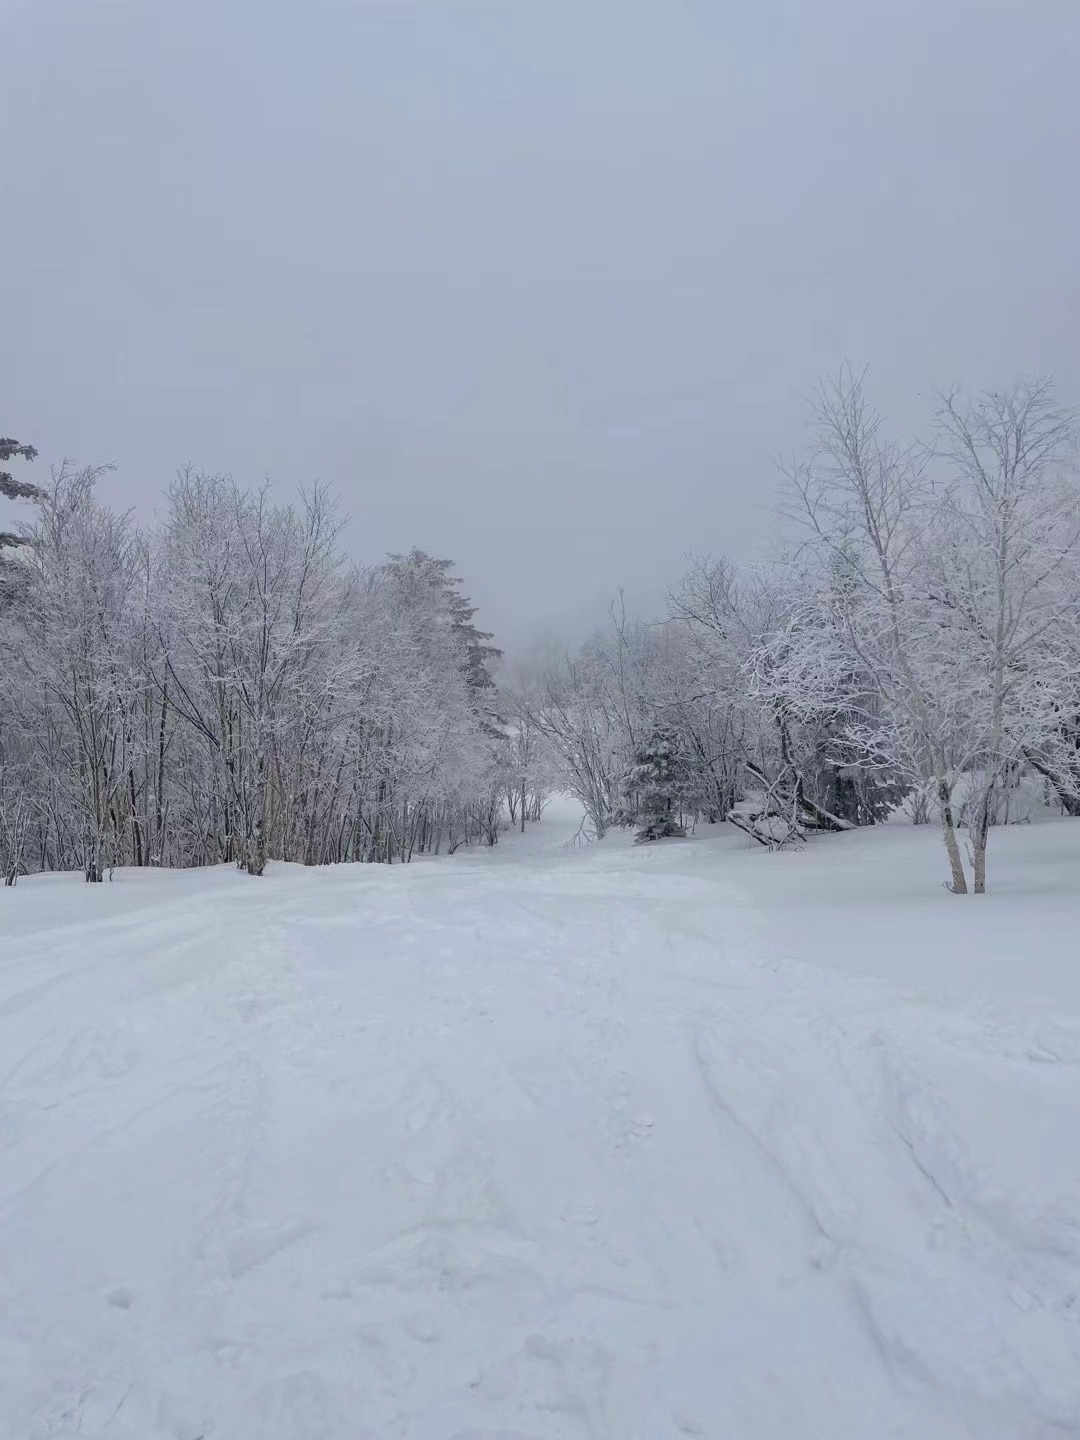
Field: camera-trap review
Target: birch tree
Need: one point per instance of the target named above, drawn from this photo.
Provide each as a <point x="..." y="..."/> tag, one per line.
<point x="1000" y="569"/>
<point x="866" y="499"/>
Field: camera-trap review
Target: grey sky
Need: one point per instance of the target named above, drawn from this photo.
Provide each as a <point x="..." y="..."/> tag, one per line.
<point x="537" y="286"/>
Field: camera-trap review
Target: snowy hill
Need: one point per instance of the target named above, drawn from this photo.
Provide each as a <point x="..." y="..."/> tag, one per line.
<point x="628" y="1143"/>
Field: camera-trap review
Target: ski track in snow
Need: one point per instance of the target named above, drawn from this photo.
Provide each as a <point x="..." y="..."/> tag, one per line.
<point x="522" y="1145"/>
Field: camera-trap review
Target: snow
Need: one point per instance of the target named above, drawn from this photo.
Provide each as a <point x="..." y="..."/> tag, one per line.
<point x="634" y="1143"/>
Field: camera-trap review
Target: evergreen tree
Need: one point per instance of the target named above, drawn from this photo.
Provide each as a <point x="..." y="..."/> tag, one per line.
<point x="13" y="489"/>
<point x="13" y="574"/>
<point x="473" y="642"/>
<point x="654" y="783"/>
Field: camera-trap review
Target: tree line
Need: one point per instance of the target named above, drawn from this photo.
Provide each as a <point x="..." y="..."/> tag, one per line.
<point x="228" y="686"/>
<point x="916" y="642"/>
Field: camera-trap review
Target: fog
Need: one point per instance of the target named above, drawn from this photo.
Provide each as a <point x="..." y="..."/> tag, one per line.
<point x="541" y="288"/>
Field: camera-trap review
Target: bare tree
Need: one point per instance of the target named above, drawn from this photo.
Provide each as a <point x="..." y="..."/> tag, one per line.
<point x="1010" y="522"/>
<point x="866" y="500"/>
<point x="75" y="647"/>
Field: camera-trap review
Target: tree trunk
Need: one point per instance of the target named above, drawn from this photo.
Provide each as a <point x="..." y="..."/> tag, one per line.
<point x="980" y="836"/>
<point x="256" y="839"/>
<point x="952" y="848"/>
<point x="256" y="847"/>
<point x="137" y="857"/>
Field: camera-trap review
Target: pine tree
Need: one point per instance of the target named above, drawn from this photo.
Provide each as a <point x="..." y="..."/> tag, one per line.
<point x="12" y="573"/>
<point x="654" y="783"/>
<point x="13" y="489"/>
<point x="436" y="573"/>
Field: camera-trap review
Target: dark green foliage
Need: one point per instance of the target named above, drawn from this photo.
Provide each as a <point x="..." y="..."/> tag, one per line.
<point x="12" y="574"/>
<point x="13" y="489"/>
<point x="862" y="799"/>
<point x="654" y="784"/>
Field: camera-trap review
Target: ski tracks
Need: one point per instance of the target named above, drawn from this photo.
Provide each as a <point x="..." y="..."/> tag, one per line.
<point x="839" y="1090"/>
<point x="500" y="1151"/>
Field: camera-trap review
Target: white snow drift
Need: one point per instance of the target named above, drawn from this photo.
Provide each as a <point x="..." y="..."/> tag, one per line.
<point x="538" y="1143"/>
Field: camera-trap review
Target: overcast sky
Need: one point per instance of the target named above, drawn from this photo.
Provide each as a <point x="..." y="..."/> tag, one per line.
<point x="537" y="286"/>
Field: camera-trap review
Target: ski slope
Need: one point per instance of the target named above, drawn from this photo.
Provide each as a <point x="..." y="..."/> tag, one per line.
<point x="604" y="1144"/>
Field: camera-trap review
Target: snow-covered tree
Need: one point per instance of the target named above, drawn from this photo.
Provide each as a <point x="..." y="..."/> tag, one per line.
<point x="74" y="646"/>
<point x="228" y="687"/>
<point x="655" y="785"/>
<point x="956" y="601"/>
<point x="1000" y="572"/>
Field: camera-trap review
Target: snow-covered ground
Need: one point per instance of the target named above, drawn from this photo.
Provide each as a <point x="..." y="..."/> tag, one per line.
<point x="636" y="1144"/>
